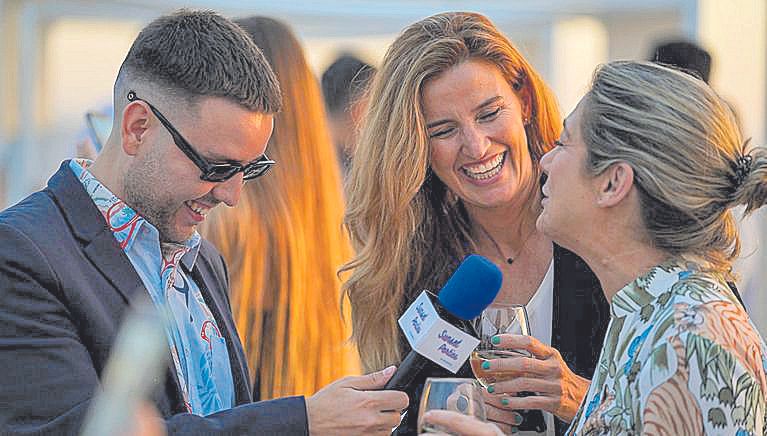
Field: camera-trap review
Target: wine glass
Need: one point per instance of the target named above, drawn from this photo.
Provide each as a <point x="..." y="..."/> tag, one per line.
<point x="495" y="320"/>
<point x="460" y="395"/>
<point x="503" y="319"/>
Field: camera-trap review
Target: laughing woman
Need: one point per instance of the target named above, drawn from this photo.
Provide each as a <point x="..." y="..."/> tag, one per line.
<point x="656" y="158"/>
<point x="447" y="165"/>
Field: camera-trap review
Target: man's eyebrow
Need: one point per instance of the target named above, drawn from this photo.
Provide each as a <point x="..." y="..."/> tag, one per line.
<point x="218" y="158"/>
<point x="215" y="157"/>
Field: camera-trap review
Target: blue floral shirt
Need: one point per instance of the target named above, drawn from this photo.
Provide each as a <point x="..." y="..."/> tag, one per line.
<point x="198" y="350"/>
<point x="680" y="357"/>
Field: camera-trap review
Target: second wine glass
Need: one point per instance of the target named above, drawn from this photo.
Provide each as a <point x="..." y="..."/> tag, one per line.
<point x="460" y="395"/>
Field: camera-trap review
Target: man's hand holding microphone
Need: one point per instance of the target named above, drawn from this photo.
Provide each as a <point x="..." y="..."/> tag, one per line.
<point x="356" y="405"/>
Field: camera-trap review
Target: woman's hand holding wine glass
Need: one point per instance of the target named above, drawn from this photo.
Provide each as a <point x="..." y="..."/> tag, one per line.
<point x="495" y="321"/>
<point x="557" y="389"/>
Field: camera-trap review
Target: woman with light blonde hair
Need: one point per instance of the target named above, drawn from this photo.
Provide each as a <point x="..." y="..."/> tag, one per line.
<point x="656" y="157"/>
<point x="284" y="241"/>
<point x="447" y="165"/>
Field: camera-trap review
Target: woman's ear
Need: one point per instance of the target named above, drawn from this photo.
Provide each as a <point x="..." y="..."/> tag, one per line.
<point x="614" y="184"/>
<point x="135" y="123"/>
<point x="526" y="101"/>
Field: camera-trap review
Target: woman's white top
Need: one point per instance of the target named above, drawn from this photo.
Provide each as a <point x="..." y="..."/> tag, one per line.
<point x="539" y="314"/>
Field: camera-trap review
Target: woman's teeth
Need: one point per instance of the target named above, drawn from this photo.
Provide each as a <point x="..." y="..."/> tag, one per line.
<point x="485" y="170"/>
<point x="196" y="208"/>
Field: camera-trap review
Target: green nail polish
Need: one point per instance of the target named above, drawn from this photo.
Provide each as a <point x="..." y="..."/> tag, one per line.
<point x="491" y="389"/>
<point x="496" y="340"/>
<point x="516" y="419"/>
<point x="485" y="365"/>
<point x="514" y="430"/>
<point x="505" y="401"/>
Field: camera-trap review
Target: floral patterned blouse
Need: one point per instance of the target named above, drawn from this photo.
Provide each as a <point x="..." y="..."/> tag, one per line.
<point x="680" y="357"/>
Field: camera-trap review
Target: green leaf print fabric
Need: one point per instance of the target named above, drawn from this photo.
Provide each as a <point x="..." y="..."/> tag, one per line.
<point x="681" y="357"/>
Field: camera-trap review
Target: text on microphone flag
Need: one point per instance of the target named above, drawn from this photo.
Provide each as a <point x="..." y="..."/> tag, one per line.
<point x="434" y="338"/>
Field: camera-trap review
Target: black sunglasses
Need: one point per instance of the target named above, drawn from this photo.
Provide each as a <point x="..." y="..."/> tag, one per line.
<point x="211" y="172"/>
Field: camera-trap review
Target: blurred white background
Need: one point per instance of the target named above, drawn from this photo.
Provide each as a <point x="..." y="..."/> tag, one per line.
<point x="58" y="59"/>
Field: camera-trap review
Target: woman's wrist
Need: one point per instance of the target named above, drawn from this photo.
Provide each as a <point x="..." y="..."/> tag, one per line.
<point x="576" y="390"/>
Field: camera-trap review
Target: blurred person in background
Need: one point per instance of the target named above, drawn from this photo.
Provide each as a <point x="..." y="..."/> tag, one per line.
<point x="447" y="165"/>
<point x="684" y="55"/>
<point x="91" y="138"/>
<point x="194" y="104"/>
<point x="98" y="126"/>
<point x="344" y="85"/>
<point x="285" y="241"/>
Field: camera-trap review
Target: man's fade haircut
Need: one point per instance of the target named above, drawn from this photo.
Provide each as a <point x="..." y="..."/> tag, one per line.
<point x="196" y="54"/>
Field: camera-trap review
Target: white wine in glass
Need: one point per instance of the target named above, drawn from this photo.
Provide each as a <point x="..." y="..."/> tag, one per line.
<point x="495" y="320"/>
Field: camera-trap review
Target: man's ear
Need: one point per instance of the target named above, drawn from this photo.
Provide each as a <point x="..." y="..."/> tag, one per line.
<point x="135" y="123"/>
<point x="614" y="184"/>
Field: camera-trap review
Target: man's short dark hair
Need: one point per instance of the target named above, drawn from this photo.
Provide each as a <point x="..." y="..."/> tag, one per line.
<point x="343" y="81"/>
<point x="200" y="53"/>
<point x="684" y="55"/>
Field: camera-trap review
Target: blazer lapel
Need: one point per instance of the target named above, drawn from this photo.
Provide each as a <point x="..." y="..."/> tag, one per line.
<point x="101" y="248"/>
<point x="88" y="225"/>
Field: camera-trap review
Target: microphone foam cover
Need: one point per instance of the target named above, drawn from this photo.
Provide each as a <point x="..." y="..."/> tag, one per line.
<point x="471" y="288"/>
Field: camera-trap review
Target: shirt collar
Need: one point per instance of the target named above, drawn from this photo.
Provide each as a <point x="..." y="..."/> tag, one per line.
<point x="124" y="222"/>
<point x="643" y="290"/>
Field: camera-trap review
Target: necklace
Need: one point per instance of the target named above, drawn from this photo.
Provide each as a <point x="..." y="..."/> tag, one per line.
<point x="508" y="259"/>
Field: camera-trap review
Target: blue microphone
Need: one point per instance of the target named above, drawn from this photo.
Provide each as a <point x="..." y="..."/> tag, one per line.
<point x="471" y="288"/>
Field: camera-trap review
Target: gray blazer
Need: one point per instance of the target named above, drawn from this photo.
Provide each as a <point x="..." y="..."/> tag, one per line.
<point x="65" y="285"/>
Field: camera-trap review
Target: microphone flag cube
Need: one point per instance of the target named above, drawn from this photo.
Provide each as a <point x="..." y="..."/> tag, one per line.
<point x="434" y="338"/>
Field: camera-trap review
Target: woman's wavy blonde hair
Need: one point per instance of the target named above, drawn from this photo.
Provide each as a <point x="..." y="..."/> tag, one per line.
<point x="408" y="230"/>
<point x="285" y="239"/>
<point x="684" y="144"/>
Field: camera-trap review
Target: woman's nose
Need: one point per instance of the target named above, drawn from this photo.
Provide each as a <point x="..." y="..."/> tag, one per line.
<point x="475" y="143"/>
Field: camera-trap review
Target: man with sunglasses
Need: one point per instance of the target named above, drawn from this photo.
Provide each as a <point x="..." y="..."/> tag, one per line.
<point x="194" y="103"/>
